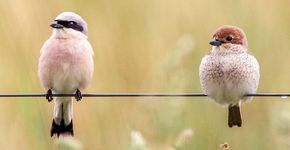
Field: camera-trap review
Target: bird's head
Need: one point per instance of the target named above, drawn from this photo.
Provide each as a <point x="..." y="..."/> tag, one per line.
<point x="229" y="35"/>
<point x="69" y="24"/>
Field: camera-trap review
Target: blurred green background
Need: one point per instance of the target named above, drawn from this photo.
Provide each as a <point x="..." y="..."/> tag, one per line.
<point x="146" y="46"/>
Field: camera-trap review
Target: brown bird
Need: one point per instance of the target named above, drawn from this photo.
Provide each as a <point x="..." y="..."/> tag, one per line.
<point x="229" y="71"/>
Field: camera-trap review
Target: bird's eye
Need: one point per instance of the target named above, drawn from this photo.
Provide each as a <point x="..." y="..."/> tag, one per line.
<point x="72" y="22"/>
<point x="229" y="38"/>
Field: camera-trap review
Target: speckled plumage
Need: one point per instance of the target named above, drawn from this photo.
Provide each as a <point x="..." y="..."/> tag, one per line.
<point x="229" y="71"/>
<point x="228" y="74"/>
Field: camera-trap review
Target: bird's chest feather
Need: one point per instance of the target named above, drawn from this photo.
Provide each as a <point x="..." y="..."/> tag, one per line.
<point x="225" y="70"/>
<point x="66" y="59"/>
<point x="66" y="64"/>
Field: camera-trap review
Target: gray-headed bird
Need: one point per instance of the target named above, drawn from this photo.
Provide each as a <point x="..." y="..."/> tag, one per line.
<point x="229" y="71"/>
<point x="66" y="66"/>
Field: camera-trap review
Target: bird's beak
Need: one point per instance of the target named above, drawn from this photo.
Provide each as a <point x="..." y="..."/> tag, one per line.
<point x="215" y="43"/>
<point x="56" y="26"/>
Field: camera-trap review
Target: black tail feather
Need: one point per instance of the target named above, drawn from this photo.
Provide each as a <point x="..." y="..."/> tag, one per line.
<point x="235" y="118"/>
<point x="61" y="129"/>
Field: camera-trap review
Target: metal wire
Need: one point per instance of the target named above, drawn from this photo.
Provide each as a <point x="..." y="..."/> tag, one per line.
<point x="140" y="95"/>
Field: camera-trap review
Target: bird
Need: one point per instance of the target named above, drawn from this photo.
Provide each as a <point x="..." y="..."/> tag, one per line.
<point x="229" y="71"/>
<point x="65" y="66"/>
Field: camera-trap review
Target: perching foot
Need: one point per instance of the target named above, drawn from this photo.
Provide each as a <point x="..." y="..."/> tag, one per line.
<point x="49" y="95"/>
<point x="78" y="95"/>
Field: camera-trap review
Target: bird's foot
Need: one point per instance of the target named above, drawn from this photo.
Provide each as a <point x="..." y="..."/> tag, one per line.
<point x="78" y="95"/>
<point x="49" y="95"/>
<point x="62" y="129"/>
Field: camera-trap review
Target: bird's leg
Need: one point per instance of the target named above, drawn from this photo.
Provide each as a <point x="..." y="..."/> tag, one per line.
<point x="235" y="118"/>
<point x="49" y="95"/>
<point x="78" y="95"/>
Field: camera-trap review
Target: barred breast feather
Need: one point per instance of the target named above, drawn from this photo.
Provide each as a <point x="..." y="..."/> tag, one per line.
<point x="228" y="73"/>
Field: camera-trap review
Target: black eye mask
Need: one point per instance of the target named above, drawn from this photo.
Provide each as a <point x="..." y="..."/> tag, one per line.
<point x="70" y="24"/>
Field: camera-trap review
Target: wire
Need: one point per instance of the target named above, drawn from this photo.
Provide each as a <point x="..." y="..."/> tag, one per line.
<point x="141" y="95"/>
<point x="270" y="94"/>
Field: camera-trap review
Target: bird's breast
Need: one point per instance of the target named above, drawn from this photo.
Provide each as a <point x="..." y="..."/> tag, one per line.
<point x="227" y="68"/>
<point x="68" y="64"/>
<point x="228" y="77"/>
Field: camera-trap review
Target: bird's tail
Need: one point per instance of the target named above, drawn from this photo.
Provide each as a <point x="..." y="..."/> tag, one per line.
<point x="62" y="129"/>
<point x="62" y="123"/>
<point x="235" y="118"/>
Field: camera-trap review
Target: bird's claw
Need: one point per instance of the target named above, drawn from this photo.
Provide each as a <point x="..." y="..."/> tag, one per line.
<point x="78" y="95"/>
<point x="49" y="95"/>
